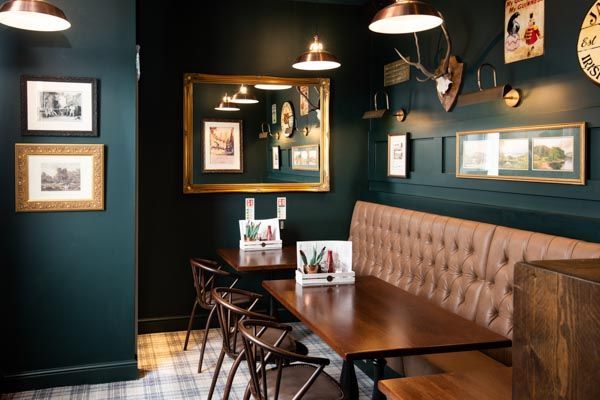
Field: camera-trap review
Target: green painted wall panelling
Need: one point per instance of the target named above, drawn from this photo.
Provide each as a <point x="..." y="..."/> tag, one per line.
<point x="554" y="91"/>
<point x="68" y="278"/>
<point x="239" y="38"/>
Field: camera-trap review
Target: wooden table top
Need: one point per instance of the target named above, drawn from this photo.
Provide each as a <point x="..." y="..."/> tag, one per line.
<point x="487" y="384"/>
<point x="374" y="319"/>
<point x="262" y="260"/>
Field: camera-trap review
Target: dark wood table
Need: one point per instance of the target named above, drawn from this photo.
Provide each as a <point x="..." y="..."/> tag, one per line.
<point x="486" y="384"/>
<point x="260" y="261"/>
<point x="373" y="319"/>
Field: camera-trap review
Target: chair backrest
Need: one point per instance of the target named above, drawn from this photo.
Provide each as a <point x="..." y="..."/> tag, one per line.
<point x="259" y="352"/>
<point x="230" y="313"/>
<point x="205" y="273"/>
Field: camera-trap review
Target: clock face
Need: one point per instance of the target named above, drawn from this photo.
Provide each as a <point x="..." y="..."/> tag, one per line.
<point x="287" y="119"/>
<point x="588" y="47"/>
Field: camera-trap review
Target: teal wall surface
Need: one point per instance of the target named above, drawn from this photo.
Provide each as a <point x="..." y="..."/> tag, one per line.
<point x="554" y="91"/>
<point x="242" y="38"/>
<point x="68" y="278"/>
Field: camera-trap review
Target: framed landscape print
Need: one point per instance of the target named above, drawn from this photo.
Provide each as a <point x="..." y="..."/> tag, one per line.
<point x="305" y="158"/>
<point x="276" y="165"/>
<point x="53" y="106"/>
<point x="546" y="153"/>
<point x="398" y="155"/>
<point x="59" y="177"/>
<point x="222" y="146"/>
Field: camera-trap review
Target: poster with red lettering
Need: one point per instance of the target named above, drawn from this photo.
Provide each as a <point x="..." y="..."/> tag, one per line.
<point x="523" y="30"/>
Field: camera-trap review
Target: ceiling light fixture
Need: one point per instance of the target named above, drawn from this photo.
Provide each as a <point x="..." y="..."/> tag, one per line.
<point x="227" y="105"/>
<point x="272" y="86"/>
<point x="316" y="59"/>
<point x="243" y="97"/>
<point x="33" y="15"/>
<point x="406" y="16"/>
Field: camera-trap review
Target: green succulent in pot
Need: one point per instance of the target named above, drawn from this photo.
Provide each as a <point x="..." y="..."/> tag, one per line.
<point x="313" y="265"/>
<point x="252" y="230"/>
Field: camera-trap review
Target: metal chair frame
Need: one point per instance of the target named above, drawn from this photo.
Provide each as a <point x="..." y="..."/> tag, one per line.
<point x="205" y="273"/>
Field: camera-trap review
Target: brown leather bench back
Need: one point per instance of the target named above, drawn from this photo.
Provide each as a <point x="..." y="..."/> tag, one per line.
<point x="463" y="266"/>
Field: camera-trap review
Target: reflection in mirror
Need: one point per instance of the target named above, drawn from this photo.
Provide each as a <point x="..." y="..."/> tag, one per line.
<point x="255" y="134"/>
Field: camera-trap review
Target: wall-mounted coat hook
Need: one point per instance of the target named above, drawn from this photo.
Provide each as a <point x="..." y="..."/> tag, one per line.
<point x="511" y="96"/>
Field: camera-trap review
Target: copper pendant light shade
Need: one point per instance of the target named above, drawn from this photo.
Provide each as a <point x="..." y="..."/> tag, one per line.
<point x="316" y="59"/>
<point x="227" y="105"/>
<point x="406" y="16"/>
<point x="33" y="15"/>
<point x="244" y="97"/>
<point x="272" y="86"/>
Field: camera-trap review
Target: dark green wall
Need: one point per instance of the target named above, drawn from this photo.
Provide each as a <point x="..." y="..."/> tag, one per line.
<point x="554" y="91"/>
<point x="235" y="37"/>
<point x="68" y="278"/>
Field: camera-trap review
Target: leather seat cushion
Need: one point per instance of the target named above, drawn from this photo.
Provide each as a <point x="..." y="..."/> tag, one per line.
<point x="294" y="376"/>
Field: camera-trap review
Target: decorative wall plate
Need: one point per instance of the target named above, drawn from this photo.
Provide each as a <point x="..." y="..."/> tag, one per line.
<point x="588" y="47"/>
<point x="288" y="122"/>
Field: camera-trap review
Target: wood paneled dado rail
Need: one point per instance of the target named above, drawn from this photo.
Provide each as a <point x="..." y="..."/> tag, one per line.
<point x="463" y="266"/>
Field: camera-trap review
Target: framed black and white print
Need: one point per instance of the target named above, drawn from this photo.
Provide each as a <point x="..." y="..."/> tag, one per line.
<point x="57" y="106"/>
<point x="398" y="155"/>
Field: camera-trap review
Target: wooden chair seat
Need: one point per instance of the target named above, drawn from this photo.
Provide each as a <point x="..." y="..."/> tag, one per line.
<point x="270" y="336"/>
<point x="294" y="376"/>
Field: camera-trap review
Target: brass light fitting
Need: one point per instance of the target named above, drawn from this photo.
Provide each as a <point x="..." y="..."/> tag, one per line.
<point x="316" y="58"/>
<point x="33" y="15"/>
<point x="406" y="16"/>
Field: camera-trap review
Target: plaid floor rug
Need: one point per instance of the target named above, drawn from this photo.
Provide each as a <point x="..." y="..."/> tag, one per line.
<point x="167" y="372"/>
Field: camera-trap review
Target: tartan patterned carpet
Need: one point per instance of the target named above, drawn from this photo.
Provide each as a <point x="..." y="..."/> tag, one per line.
<point x="168" y="372"/>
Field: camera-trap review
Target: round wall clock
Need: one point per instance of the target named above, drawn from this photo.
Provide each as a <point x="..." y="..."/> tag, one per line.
<point x="588" y="47"/>
<point x="287" y="119"/>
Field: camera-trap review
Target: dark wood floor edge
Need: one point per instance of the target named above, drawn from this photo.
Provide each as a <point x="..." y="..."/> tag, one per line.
<point x="114" y="371"/>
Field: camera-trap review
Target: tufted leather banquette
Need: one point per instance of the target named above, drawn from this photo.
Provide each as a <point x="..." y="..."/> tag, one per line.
<point x="463" y="266"/>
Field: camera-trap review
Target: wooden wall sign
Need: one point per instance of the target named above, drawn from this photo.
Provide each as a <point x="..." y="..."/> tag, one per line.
<point x="588" y="47"/>
<point x="395" y="72"/>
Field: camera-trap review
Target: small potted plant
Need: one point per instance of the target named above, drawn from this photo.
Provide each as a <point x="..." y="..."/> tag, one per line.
<point x="251" y="231"/>
<point x="314" y="265"/>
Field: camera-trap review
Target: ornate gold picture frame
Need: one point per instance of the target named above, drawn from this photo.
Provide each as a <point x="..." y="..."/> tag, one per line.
<point x="59" y="177"/>
<point x="194" y="86"/>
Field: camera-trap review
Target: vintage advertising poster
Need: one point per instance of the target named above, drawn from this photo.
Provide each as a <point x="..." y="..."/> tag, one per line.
<point x="524" y="30"/>
<point x="304" y="109"/>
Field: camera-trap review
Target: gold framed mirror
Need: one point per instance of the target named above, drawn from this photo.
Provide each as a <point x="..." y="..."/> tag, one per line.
<point x="255" y="134"/>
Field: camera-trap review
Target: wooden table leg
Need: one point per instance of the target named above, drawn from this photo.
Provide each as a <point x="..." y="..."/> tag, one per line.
<point x="348" y="380"/>
<point x="273" y="307"/>
<point x="378" y="373"/>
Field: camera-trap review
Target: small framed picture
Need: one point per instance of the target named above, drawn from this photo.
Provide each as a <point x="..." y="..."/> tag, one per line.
<point x="398" y="155"/>
<point x="305" y="158"/>
<point x="222" y="146"/>
<point x="276" y="165"/>
<point x="52" y="106"/>
<point x="59" y="177"/>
